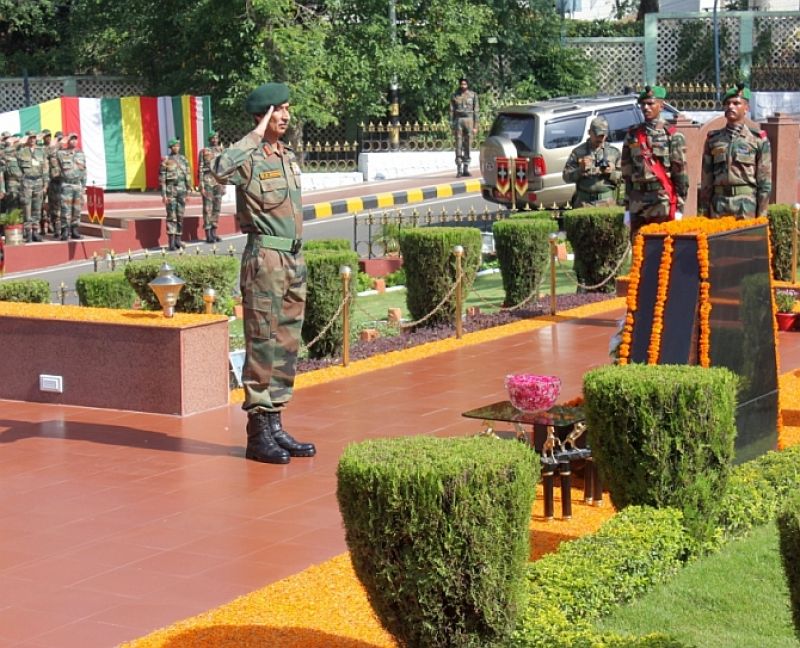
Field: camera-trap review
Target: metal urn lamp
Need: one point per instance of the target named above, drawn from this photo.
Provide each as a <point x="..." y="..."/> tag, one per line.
<point x="167" y="286"/>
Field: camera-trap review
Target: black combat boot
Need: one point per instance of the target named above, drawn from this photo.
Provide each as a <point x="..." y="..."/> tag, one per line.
<point x="26" y="236"/>
<point x="458" y="171"/>
<point x="36" y="237"/>
<point x="214" y="236"/>
<point x="74" y="233"/>
<point x="260" y="444"/>
<point x="210" y="235"/>
<point x="286" y="441"/>
<point x="465" y="172"/>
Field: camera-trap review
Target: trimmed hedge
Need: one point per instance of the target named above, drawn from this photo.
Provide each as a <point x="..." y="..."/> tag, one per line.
<point x="438" y="534"/>
<point x="599" y="238"/>
<point x="32" y="291"/>
<point x="199" y="272"/>
<point x="430" y="267"/>
<point x="327" y="245"/>
<point x="663" y="436"/>
<point x="324" y="298"/>
<point x="789" y="529"/>
<point x="522" y="247"/>
<point x="105" y="290"/>
<point x="780" y="238"/>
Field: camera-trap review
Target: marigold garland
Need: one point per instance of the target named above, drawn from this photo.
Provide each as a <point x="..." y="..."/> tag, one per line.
<point x="704" y="343"/>
<point x="662" y="292"/>
<point x="632" y="299"/>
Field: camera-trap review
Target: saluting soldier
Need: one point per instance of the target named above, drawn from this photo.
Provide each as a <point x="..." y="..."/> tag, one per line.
<point x="13" y="173"/>
<point x="273" y="272"/>
<point x="72" y="171"/>
<point x="43" y="142"/>
<point x="211" y="190"/>
<point x="737" y="164"/>
<point x="594" y="168"/>
<point x="464" y="122"/>
<point x="35" y="173"/>
<point x="653" y="166"/>
<point x="54" y="188"/>
<point x="174" y="177"/>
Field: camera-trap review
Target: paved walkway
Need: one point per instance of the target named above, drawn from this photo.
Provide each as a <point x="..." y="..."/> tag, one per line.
<point x="116" y="523"/>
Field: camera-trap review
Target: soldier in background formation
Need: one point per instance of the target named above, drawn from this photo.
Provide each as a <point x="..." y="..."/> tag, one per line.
<point x="211" y="190"/>
<point x="653" y="166"/>
<point x="594" y="168"/>
<point x="464" y="122"/>
<point x="737" y="164"/>
<point x="174" y="177"/>
<point x="35" y="177"/>
<point x="72" y="174"/>
<point x="53" y="215"/>
<point x="13" y="174"/>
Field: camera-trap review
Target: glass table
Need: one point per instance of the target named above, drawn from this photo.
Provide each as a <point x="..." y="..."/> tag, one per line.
<point x="558" y="436"/>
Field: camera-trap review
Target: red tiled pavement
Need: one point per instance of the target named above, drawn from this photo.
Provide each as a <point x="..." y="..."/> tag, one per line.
<point x="115" y="523"/>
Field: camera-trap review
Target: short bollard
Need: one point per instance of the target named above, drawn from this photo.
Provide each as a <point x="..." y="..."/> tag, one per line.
<point x="345" y="272"/>
<point x="565" y="472"/>
<point x="548" y="474"/>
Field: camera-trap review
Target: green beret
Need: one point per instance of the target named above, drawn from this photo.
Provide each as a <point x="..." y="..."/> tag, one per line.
<point x="653" y="92"/>
<point x="740" y="90"/>
<point x="213" y="134"/>
<point x="173" y="141"/>
<point x="264" y="96"/>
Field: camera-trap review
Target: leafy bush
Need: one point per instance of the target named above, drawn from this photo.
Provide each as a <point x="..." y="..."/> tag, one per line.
<point x="586" y="578"/>
<point x="327" y="245"/>
<point x="599" y="238"/>
<point x="789" y="529"/>
<point x="105" y="290"/>
<point x="522" y="247"/>
<point x="780" y="238"/>
<point x="430" y="265"/>
<point x="32" y="291"/>
<point x="438" y="534"/>
<point x="363" y="281"/>
<point x="396" y="278"/>
<point x="663" y="436"/>
<point x="199" y="272"/>
<point x="324" y="298"/>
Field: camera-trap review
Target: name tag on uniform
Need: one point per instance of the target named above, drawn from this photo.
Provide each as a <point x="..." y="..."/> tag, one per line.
<point x="269" y="175"/>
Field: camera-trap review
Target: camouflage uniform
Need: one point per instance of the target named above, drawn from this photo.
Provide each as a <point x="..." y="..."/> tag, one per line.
<point x="174" y="177"/>
<point x="737" y="173"/>
<point x="212" y="192"/>
<point x="463" y="119"/>
<point x="645" y="197"/>
<point x="273" y="273"/>
<point x="54" y="189"/>
<point x="35" y="175"/>
<point x="13" y="178"/>
<point x="72" y="170"/>
<point x="592" y="186"/>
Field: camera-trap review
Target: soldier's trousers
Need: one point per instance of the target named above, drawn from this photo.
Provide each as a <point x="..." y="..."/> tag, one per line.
<point x="176" y="205"/>
<point x="11" y="201"/>
<point x="54" y="204"/>
<point x="71" y="200"/>
<point x="462" y="131"/>
<point x="273" y="286"/>
<point x="31" y="199"/>
<point x="212" y="205"/>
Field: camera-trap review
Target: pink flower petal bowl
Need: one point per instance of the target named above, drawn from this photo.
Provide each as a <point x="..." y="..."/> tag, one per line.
<point x="531" y="392"/>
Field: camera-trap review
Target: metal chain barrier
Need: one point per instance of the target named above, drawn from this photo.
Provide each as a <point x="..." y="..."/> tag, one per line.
<point x="613" y="274"/>
<point x="330" y="323"/>
<point x="510" y="309"/>
<point x="438" y="307"/>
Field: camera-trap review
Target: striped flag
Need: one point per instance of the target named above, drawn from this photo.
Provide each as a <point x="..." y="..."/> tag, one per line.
<point x="123" y="138"/>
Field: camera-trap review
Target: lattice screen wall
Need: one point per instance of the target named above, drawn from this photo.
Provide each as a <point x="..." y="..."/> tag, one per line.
<point x="779" y="67"/>
<point x="12" y="91"/>
<point x="619" y="62"/>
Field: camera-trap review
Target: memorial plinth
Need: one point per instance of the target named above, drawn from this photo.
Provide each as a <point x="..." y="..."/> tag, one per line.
<point x="700" y="293"/>
<point x="129" y="360"/>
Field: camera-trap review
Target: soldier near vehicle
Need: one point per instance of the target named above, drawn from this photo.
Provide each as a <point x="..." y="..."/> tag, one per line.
<point x="594" y="167"/>
<point x="54" y="188"/>
<point x="174" y="178"/>
<point x="211" y="190"/>
<point x="737" y="164"/>
<point x="653" y="166"/>
<point x="464" y="123"/>
<point x="273" y="273"/>
<point x="35" y="177"/>
<point x="72" y="173"/>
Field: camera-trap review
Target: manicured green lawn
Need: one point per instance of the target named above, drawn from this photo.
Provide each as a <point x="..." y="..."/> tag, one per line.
<point x="736" y="598"/>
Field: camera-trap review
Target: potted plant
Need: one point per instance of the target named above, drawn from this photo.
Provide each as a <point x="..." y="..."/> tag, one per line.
<point x="12" y="226"/>
<point x="784" y="306"/>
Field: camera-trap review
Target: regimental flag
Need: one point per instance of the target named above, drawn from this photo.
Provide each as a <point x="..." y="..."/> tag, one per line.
<point x="123" y="138"/>
<point x="100" y="204"/>
<point x="521" y="177"/>
<point x="503" y="175"/>
<point x="91" y="206"/>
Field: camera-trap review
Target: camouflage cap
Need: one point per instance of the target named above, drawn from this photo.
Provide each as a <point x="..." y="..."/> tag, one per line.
<point x="653" y="92"/>
<point x="5" y="135"/>
<point x="58" y="134"/>
<point x="599" y="126"/>
<point x="45" y="132"/>
<point x="30" y="133"/>
<point x="264" y="96"/>
<point x="173" y="142"/>
<point x="72" y="136"/>
<point x="740" y="90"/>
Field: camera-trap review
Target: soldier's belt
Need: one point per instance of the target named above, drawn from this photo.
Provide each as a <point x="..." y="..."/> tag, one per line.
<point x="588" y="195"/>
<point x="279" y="243"/>
<point x="647" y="186"/>
<point x="462" y="114"/>
<point x="734" y="190"/>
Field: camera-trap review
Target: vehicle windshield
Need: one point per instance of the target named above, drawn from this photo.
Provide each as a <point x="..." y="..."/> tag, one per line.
<point x="518" y="128"/>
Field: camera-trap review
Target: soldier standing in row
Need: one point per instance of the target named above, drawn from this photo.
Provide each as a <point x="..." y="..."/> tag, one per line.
<point x="72" y="172"/>
<point x="273" y="274"/>
<point x="174" y="177"/>
<point x="653" y="166"/>
<point x="594" y="168"/>
<point x="211" y="190"/>
<point x="737" y="164"/>
<point x="13" y="174"/>
<point x="43" y="142"/>
<point x="54" y="189"/>
<point x="35" y="175"/>
<point x="464" y="122"/>
<point x="4" y="147"/>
